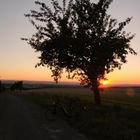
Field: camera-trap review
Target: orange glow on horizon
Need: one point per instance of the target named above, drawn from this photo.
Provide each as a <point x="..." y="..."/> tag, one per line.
<point x="104" y="82"/>
<point x="44" y="74"/>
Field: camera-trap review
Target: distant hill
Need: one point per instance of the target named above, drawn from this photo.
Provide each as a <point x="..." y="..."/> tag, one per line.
<point x="28" y="84"/>
<point x="40" y="82"/>
<point x="37" y="84"/>
<point x="124" y="85"/>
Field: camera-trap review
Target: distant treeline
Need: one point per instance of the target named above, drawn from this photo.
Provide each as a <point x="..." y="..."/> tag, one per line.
<point x="21" y="85"/>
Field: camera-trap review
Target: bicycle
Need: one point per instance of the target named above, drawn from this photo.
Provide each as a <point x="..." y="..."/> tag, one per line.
<point x="66" y="108"/>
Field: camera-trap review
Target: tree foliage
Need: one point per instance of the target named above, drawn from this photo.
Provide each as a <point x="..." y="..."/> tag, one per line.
<point x="80" y="37"/>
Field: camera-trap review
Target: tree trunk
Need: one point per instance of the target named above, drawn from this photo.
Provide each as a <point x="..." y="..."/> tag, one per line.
<point x="97" y="97"/>
<point x="96" y="92"/>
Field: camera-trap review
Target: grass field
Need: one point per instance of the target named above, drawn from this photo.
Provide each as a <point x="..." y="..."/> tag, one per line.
<point x="117" y="119"/>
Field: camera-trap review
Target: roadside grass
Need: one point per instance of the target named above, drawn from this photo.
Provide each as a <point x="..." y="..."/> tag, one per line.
<point x="117" y="119"/>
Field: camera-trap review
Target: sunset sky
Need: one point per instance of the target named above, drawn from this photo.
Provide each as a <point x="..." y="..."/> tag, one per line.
<point x="17" y="58"/>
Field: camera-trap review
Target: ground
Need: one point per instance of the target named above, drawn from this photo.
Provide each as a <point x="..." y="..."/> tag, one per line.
<point x="23" y="120"/>
<point x="116" y="119"/>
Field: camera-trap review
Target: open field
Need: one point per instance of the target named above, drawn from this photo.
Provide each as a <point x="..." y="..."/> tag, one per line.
<point x="125" y="96"/>
<point x="117" y="119"/>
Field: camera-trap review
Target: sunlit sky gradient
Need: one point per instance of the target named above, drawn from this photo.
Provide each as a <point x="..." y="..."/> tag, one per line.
<point x="17" y="59"/>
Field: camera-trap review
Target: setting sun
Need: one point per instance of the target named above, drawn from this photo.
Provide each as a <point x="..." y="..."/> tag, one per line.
<point x="104" y="82"/>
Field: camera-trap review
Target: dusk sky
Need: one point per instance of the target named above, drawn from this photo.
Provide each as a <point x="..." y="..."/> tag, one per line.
<point x="17" y="58"/>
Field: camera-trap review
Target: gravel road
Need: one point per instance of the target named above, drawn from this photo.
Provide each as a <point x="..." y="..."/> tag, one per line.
<point x="23" y="120"/>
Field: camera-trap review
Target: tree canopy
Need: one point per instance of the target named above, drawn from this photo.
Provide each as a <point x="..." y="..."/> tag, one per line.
<point x="80" y="37"/>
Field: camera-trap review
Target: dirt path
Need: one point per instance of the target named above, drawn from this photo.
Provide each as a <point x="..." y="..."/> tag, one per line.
<point x="22" y="120"/>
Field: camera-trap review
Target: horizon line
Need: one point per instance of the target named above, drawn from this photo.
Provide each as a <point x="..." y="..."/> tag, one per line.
<point x="76" y="82"/>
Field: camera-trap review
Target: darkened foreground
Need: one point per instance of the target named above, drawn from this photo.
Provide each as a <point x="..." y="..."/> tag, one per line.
<point x="117" y="119"/>
<point x="23" y="120"/>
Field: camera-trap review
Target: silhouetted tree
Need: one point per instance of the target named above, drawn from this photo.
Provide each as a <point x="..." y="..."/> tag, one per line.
<point x="81" y="38"/>
<point x="17" y="86"/>
<point x="0" y="86"/>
